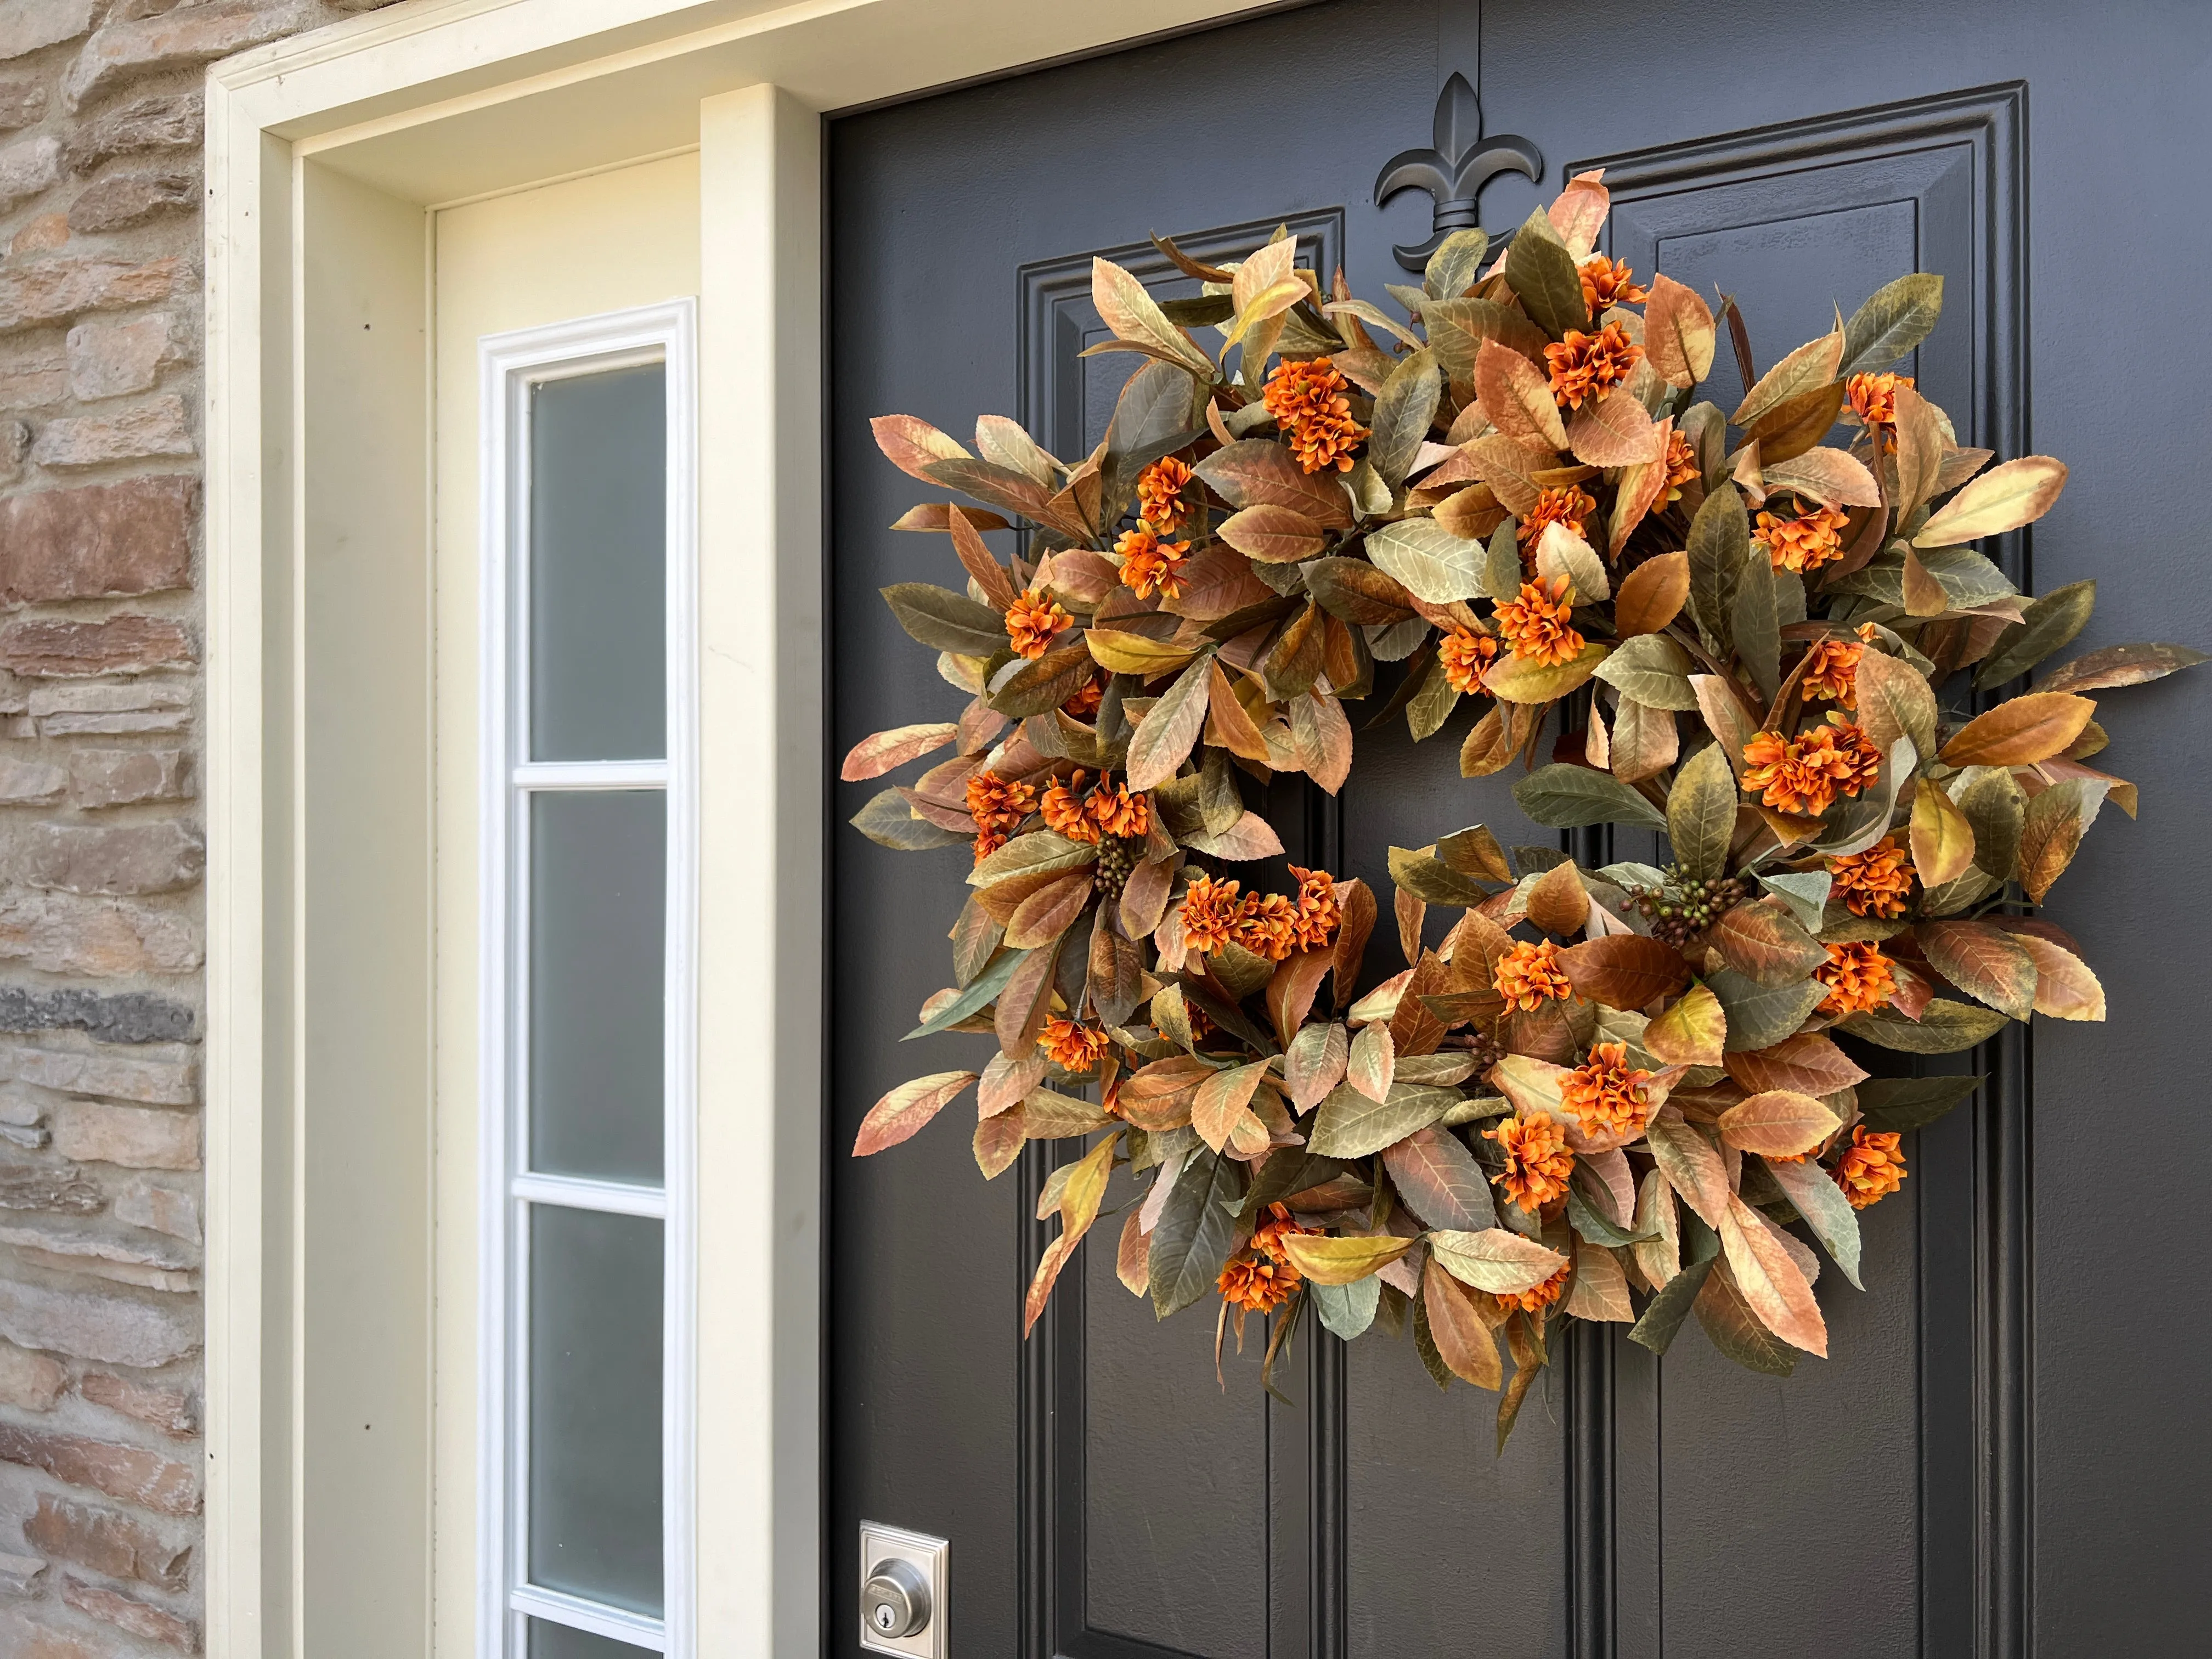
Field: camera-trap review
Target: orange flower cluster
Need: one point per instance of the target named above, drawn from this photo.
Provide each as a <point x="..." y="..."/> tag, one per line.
<point x="1256" y="1285"/>
<point x="1538" y="625"/>
<point x="1529" y="975"/>
<point x="1876" y="883"/>
<point x="1871" y="1167"/>
<point x="1465" y="655"/>
<point x="1110" y="809"/>
<point x="1605" y="284"/>
<point x="1268" y="1238"/>
<point x="1832" y="671"/>
<point x="1159" y="495"/>
<point x="1085" y="703"/>
<point x="1681" y="464"/>
<point x="1804" y="774"/>
<point x="997" y="805"/>
<point x="1537" y="1161"/>
<point x="1857" y="978"/>
<point x="1308" y="400"/>
<point x="1318" y="915"/>
<point x="1266" y="925"/>
<point x="1540" y="1296"/>
<point x="1070" y="1045"/>
<point x="1031" y="621"/>
<point x="1872" y="398"/>
<point x="1608" y="1094"/>
<point x="1149" y="564"/>
<point x="1804" y="542"/>
<point x="1567" y="504"/>
<point x="1584" y="365"/>
<point x="1210" y="910"/>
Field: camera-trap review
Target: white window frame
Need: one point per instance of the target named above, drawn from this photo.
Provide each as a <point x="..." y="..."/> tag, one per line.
<point x="510" y="365"/>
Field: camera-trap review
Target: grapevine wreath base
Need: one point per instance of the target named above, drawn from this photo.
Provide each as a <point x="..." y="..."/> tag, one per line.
<point x="1608" y="1094"/>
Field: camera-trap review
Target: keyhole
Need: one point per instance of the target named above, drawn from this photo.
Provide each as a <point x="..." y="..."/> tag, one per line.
<point x="885" y="1618"/>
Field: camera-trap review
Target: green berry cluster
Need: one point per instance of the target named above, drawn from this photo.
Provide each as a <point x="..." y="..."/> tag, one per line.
<point x="1682" y="909"/>
<point x="1117" y="858"/>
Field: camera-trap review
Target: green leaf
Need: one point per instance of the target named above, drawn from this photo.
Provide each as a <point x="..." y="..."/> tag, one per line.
<point x="1760" y="1015"/>
<point x="1899" y="1104"/>
<point x="1944" y="1027"/>
<point x="1701" y="813"/>
<point x="1432" y="702"/>
<point x="1346" y="1310"/>
<point x="1475" y="852"/>
<point x="1501" y="564"/>
<point x="1354" y="591"/>
<point x="1439" y="1181"/>
<point x="1543" y="272"/>
<point x="1134" y="315"/>
<point x="946" y="621"/>
<point x="1456" y="263"/>
<point x="1805" y="891"/>
<point x="1758" y="623"/>
<point x="1825" y="1210"/>
<point x="1654" y="669"/>
<point x="1720" y="539"/>
<point x="978" y="991"/>
<point x="1424" y="1345"/>
<point x="1503" y="1263"/>
<point x="1429" y="559"/>
<point x="1164" y="737"/>
<point x="1592" y="1223"/>
<point x="1895" y="319"/>
<point x="1996" y="809"/>
<point x="1193" y="1236"/>
<point x="1349" y="1124"/>
<point x="888" y="821"/>
<point x="1966" y="578"/>
<point x="1403" y="411"/>
<point x="1564" y="797"/>
<point x="1736" y="1331"/>
<point x="2046" y="625"/>
<point x="1036" y="853"/>
<point x="1430" y="879"/>
<point x="1664" y="1314"/>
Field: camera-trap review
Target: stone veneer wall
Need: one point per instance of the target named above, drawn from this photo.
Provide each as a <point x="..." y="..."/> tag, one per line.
<point x="100" y="849"/>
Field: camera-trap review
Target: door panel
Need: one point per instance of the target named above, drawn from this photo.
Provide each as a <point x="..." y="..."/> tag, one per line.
<point x="1106" y="1496"/>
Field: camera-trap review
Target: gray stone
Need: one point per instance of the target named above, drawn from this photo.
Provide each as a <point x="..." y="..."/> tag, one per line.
<point x="135" y="858"/>
<point x="15" y="448"/>
<point x="30" y="1382"/>
<point x="22" y="102"/>
<point x="183" y="39"/>
<point x="124" y="777"/>
<point x="173" y="1411"/>
<point x="17" y="1573"/>
<point x="166" y="121"/>
<point x="129" y="1017"/>
<point x="24" y="780"/>
<point x="133" y="1137"/>
<point x="114" y="1330"/>
<point x="147" y="432"/>
<point x="130" y="198"/>
<point x="65" y="933"/>
<point x="111" y="359"/>
<point x="28" y="25"/>
<point x="27" y="167"/>
<point x="174" y="1210"/>
<point x="164" y="1076"/>
<point x="42" y="1186"/>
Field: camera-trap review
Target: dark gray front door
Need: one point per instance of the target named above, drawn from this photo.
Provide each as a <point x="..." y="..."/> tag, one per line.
<point x="2006" y="1452"/>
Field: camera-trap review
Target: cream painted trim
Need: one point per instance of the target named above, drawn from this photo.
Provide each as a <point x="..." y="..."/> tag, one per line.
<point x="443" y="100"/>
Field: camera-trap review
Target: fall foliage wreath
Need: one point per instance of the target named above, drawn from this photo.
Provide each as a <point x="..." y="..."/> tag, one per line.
<point x="1608" y="1094"/>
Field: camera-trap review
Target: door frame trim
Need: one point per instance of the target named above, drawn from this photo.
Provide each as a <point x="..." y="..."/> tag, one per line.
<point x="319" y="150"/>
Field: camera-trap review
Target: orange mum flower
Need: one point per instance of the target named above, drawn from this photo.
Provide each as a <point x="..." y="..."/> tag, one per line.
<point x="1256" y="1285"/>
<point x="1804" y="542"/>
<point x="1584" y="365"/>
<point x="1210" y="910"/>
<point x="1832" y="671"/>
<point x="1537" y="1161"/>
<point x="1062" y="807"/>
<point x="1032" y="621"/>
<point x="997" y="805"/>
<point x="1159" y="495"/>
<point x="1149" y="564"/>
<point x="1876" y="883"/>
<point x="1605" y="284"/>
<point x="1606" y="1093"/>
<point x="1537" y="625"/>
<point x="1465" y="655"/>
<point x="1118" y="812"/>
<point x="1871" y="1167"/>
<point x="1857" y="978"/>
<point x="1804" y="774"/>
<point x="1085" y="703"/>
<point x="1542" y="1296"/>
<point x="1681" y="464"/>
<point x="1318" y="915"/>
<point x="1529" y="975"/>
<point x="1268" y="1238"/>
<point x="1071" y="1046"/>
<point x="1569" y="505"/>
<point x="1266" y="925"/>
<point x="1308" y="400"/>
<point x="1872" y="398"/>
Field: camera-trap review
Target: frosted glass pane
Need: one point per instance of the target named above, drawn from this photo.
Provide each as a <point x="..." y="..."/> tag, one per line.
<point x="551" y="1640"/>
<point x="597" y="892"/>
<point x="594" y="1401"/>
<point x="598" y="561"/>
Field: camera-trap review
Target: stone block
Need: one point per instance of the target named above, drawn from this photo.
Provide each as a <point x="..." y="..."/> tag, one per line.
<point x="135" y="1137"/>
<point x="130" y="198"/>
<point x="30" y="1382"/>
<point x="112" y="1330"/>
<point x="108" y="359"/>
<point x="27" y="167"/>
<point x="28" y="25"/>
<point x="56" y="290"/>
<point x="107" y="1540"/>
<point x="33" y="379"/>
<point x="165" y="121"/>
<point x="15" y="447"/>
<point x="42" y="1186"/>
<point x="141" y="1619"/>
<point x="175" y="1210"/>
<point x="124" y="49"/>
<point x="162" y="1076"/>
<point x="22" y="104"/>
<point x="26" y="781"/>
<point x="125" y="777"/>
<point x="17" y="1574"/>
<point x="41" y="233"/>
<point x="134" y="858"/>
<point x="49" y="647"/>
<point x="147" y="432"/>
<point x="65" y="933"/>
<point x="128" y="1016"/>
<point x="96" y="542"/>
<point x="173" y="1411"/>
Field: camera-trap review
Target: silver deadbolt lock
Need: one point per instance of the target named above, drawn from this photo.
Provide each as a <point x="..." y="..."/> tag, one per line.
<point x="897" y="1598"/>
<point x="902" y="1592"/>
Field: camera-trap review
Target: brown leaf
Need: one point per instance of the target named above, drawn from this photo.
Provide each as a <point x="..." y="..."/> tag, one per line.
<point x="1007" y="1082"/>
<point x="1625" y="971"/>
<point x="998" y="1141"/>
<point x="1156" y="1097"/>
<point x="1812" y="366"/>
<point x="1771" y="1280"/>
<point x="1489" y="747"/>
<point x="938" y="516"/>
<point x="912" y="444"/>
<point x="1221" y="1102"/>
<point x="1894" y="702"/>
<point x="1046" y="914"/>
<point x="1217" y="582"/>
<point x="1314" y="1065"/>
<point x="1691" y="1165"/>
<point x="1599" y="1288"/>
<point x="1984" y="962"/>
<point x="1493" y="1260"/>
<point x="1808" y="1062"/>
<point x="1558" y="902"/>
<point x="1413" y="1029"/>
<point x="1271" y="534"/>
<point x="1321" y="736"/>
<point x="1374" y="1062"/>
<point x="1834" y="477"/>
<point x="902" y="1112"/>
<point x="1254" y="472"/>
<point x="1164" y="737"/>
<point x="1638" y="492"/>
<point x="1144" y="899"/>
<point x="1763" y="940"/>
<point x="1133" y="1261"/>
<point x="1794" y="426"/>
<point x="2032" y="727"/>
<point x="1645" y="741"/>
<point x="1229" y="725"/>
<point x="1291" y="991"/>
<point x="975" y="558"/>
<point x="1678" y="332"/>
<point x="1464" y="1342"/>
<point x="1615" y="431"/>
<point x="1778" y="1123"/>
<point x="874" y="755"/>
<point x="2120" y="665"/>
<point x="1078" y="1208"/>
<point x="1020" y="1010"/>
<point x="1920" y="450"/>
<point x="1517" y="397"/>
<point x="1355" y="904"/>
<point x="2065" y="989"/>
<point x="1440" y="1180"/>
<point x="1943" y="840"/>
<point x="1410" y="911"/>
<point x="1653" y="594"/>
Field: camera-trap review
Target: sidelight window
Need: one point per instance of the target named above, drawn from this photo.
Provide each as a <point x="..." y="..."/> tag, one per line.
<point x="588" y="988"/>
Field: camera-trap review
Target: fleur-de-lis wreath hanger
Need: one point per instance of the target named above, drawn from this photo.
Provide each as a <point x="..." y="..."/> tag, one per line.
<point x="1456" y="170"/>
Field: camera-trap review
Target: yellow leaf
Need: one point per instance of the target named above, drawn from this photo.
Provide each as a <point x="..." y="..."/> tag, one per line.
<point x="1123" y="653"/>
<point x="2003" y="498"/>
<point x="1341" y="1260"/>
<point x="1942" y="839"/>
<point x="1517" y="679"/>
<point x="2036" y="727"/>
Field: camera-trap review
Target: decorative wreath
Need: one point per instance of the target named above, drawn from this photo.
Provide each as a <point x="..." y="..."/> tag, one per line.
<point x="1602" y="1083"/>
